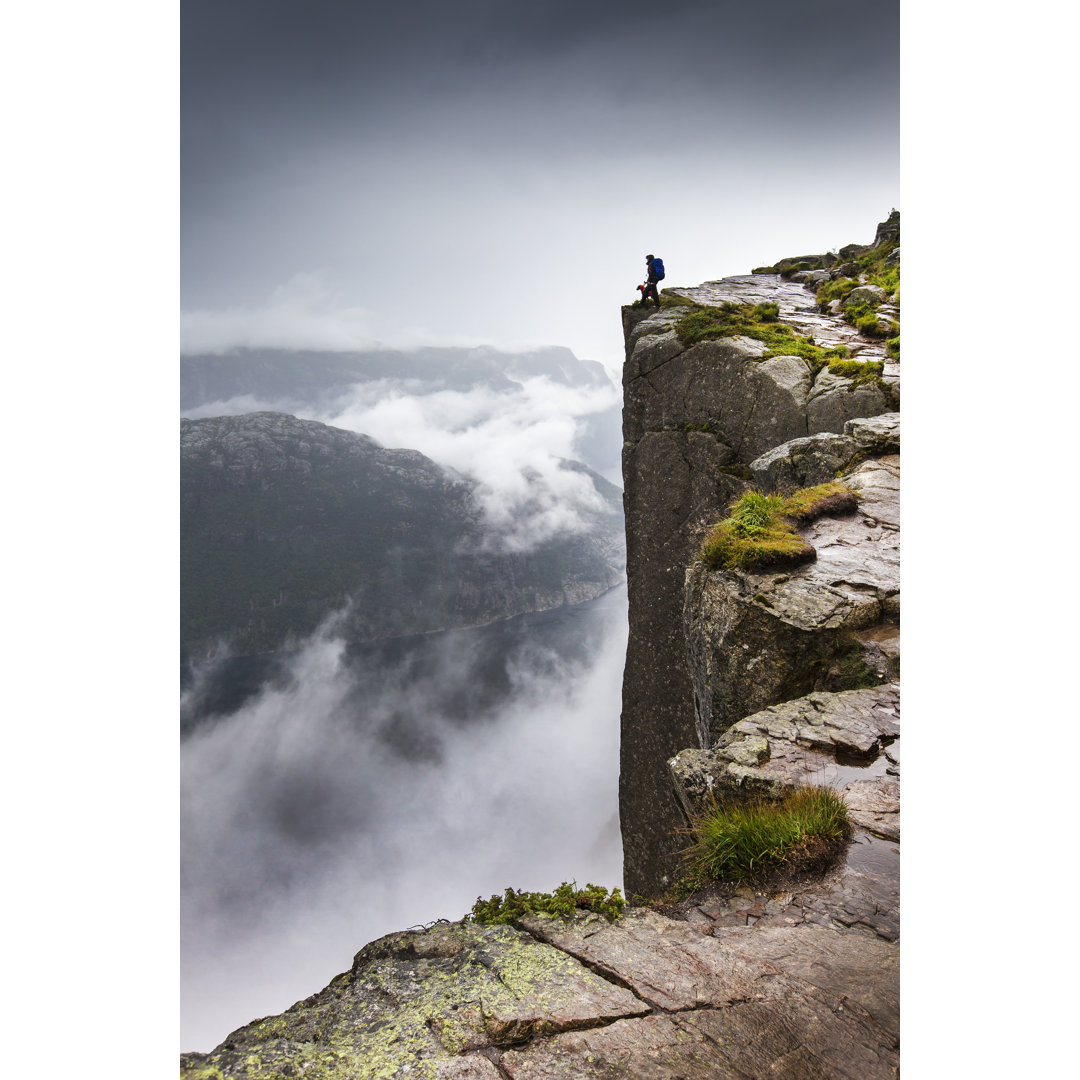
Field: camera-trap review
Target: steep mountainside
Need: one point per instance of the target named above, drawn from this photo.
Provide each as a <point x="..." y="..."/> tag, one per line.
<point x="285" y="521"/>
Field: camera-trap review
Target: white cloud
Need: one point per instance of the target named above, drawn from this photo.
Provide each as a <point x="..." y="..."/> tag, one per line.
<point x="352" y="800"/>
<point x="302" y="313"/>
<point x="512" y="442"/>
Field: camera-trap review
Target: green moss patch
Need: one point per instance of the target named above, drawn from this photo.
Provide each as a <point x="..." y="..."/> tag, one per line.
<point x="758" y="321"/>
<point x="565" y="900"/>
<point x="862" y="371"/>
<point x="750" y="841"/>
<point x="874" y="270"/>
<point x="760" y="529"/>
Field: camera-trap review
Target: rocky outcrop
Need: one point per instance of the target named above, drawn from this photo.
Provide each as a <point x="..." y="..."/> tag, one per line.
<point x="754" y="639"/>
<point x="807" y="738"/>
<point x="284" y="521"/>
<point x="698" y="424"/>
<point x="644" y="997"/>
<point x="820" y="458"/>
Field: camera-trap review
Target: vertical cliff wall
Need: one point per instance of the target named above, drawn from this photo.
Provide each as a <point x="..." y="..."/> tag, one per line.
<point x="695" y="419"/>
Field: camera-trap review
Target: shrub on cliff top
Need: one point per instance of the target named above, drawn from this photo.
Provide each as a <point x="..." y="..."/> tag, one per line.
<point x="747" y="841"/>
<point x="565" y="900"/>
<point x="759" y="531"/>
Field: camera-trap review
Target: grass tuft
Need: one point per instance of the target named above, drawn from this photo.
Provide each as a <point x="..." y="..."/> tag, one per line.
<point x="758" y="321"/>
<point x="760" y="531"/>
<point x="747" y="841"/>
<point x="565" y="900"/>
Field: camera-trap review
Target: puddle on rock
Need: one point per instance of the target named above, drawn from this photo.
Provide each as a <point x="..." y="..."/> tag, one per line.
<point x="870" y="855"/>
<point x="843" y="771"/>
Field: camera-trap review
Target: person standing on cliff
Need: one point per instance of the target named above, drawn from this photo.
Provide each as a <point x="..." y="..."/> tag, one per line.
<point x="656" y="272"/>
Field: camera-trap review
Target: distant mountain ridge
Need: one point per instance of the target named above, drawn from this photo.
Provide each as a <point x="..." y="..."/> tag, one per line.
<point x="284" y="521"/>
<point x="310" y="374"/>
<point x="305" y="381"/>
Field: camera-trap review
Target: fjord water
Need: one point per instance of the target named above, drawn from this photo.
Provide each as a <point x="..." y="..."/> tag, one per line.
<point x="340" y="793"/>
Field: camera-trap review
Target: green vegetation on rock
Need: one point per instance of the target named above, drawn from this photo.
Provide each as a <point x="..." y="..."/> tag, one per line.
<point x="760" y="529"/>
<point x="862" y="371"/>
<point x="748" y="840"/>
<point x="565" y="900"/>
<point x="757" y="321"/>
<point x="874" y="269"/>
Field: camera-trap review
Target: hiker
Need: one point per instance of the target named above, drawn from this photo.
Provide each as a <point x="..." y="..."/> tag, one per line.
<point x="656" y="273"/>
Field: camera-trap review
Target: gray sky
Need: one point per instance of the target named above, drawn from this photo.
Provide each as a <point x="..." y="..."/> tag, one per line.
<point x="490" y="173"/>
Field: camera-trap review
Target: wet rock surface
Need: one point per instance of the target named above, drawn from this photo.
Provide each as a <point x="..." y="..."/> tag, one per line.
<point x="798" y="306"/>
<point x="819" y="458"/>
<point x="834" y="738"/>
<point x="647" y="996"/>
<point x="694" y="421"/>
<point x="756" y="639"/>
<point x="860" y="894"/>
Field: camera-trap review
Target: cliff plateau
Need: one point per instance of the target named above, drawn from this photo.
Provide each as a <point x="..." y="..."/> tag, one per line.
<point x="739" y="680"/>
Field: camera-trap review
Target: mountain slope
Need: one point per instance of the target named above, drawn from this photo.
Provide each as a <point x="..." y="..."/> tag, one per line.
<point x="284" y="521"/>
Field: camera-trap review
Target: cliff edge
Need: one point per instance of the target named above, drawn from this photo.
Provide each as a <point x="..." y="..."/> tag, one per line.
<point x="744" y="678"/>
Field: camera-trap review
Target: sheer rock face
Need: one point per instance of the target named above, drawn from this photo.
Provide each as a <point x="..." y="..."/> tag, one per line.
<point x="644" y="997"/>
<point x="285" y="521"/>
<point x="695" y="421"/>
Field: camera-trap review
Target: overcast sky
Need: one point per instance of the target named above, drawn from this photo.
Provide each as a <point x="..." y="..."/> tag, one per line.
<point x="485" y="172"/>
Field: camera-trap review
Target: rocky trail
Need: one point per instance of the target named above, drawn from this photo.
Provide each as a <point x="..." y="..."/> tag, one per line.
<point x="797" y="307"/>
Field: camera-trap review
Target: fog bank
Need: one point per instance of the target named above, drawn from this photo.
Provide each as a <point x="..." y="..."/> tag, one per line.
<point x="365" y="794"/>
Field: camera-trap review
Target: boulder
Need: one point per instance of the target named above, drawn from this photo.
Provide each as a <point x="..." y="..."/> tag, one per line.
<point x="864" y="294"/>
<point x="835" y="399"/>
<point x="723" y="386"/>
<point x="816" y="459"/>
<point x="809" y="737"/>
<point x="876" y="435"/>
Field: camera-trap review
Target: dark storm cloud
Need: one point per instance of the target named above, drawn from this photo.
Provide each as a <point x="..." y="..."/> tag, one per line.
<point x="493" y="173"/>
<point x="277" y="93"/>
<point x="252" y="70"/>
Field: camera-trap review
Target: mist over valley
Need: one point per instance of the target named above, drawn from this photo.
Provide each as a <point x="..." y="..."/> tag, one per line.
<point x="399" y="672"/>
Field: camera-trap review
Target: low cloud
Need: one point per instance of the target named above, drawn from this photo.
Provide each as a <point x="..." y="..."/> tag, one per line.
<point x="512" y="442"/>
<point x="362" y="794"/>
<point x="301" y="314"/>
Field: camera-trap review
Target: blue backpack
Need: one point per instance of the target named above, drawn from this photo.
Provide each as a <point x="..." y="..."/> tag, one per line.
<point x="658" y="266"/>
